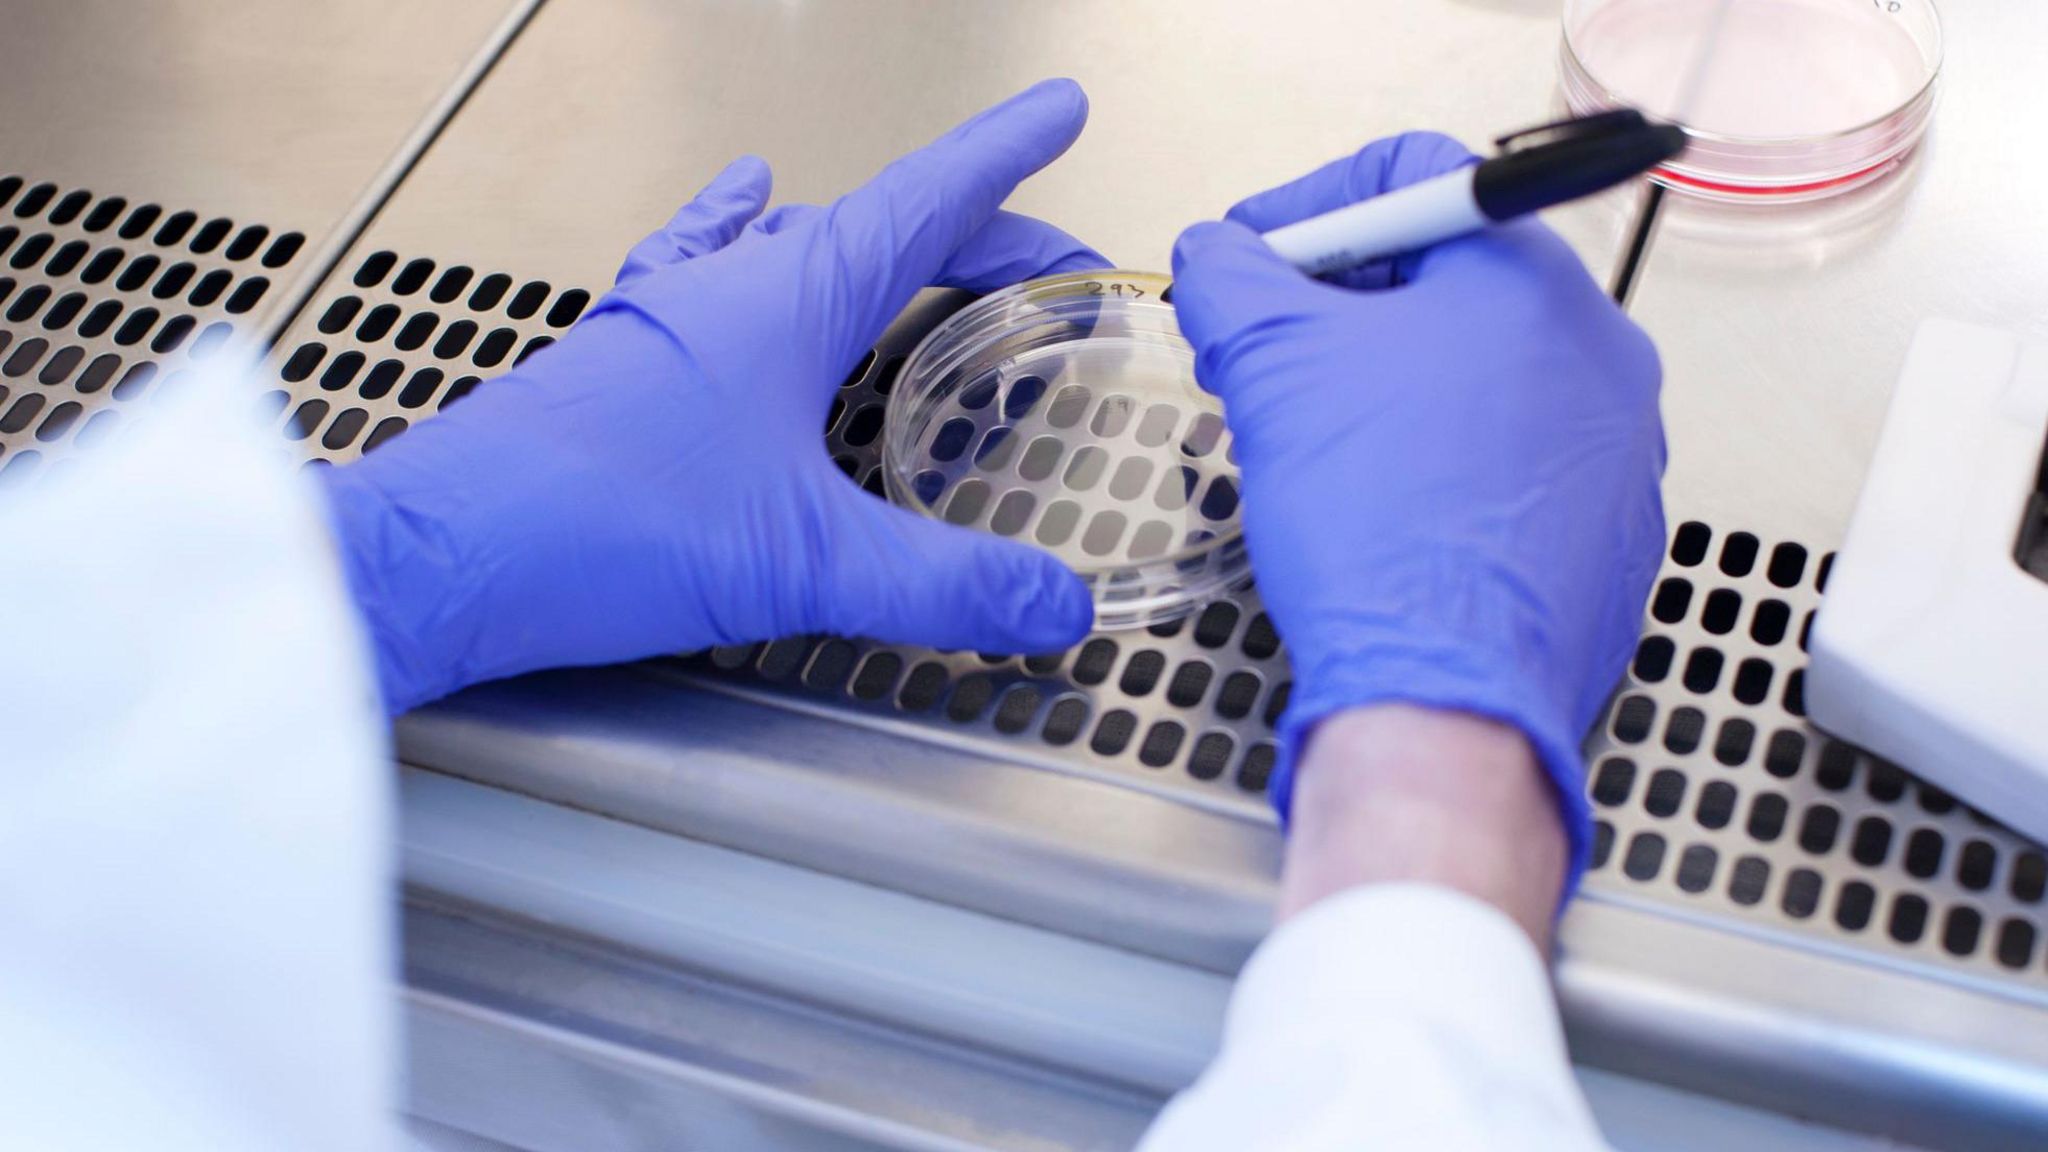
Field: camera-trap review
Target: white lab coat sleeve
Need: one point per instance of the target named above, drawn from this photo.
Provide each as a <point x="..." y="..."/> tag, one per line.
<point x="1395" y="1018"/>
<point x="195" y="904"/>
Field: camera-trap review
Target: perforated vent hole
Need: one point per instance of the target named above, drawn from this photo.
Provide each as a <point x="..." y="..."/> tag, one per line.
<point x="1817" y="830"/>
<point x="1836" y="768"/>
<point x="1666" y="792"/>
<point x="1924" y="850"/>
<point x="1788" y="564"/>
<point x="1260" y="639"/>
<point x="104" y="214"/>
<point x="1767" y="817"/>
<point x="527" y="300"/>
<point x="1613" y="780"/>
<point x="1732" y="746"/>
<point x="34" y="200"/>
<point x="1672" y="601"/>
<point x="1689" y="543"/>
<point x="1211" y="755"/>
<point x="1018" y="707"/>
<point x="211" y="234"/>
<point x="1644" y="858"/>
<point x="1162" y="744"/>
<point x="1723" y="607"/>
<point x="1142" y="673"/>
<point x="1975" y="865"/>
<point x="1696" y="867"/>
<point x="2015" y="947"/>
<point x="1703" y="669"/>
<point x="1749" y="879"/>
<point x="1738" y="554"/>
<point x="1854" y="905"/>
<point x="1653" y="659"/>
<point x="2029" y="876"/>
<point x="1190" y="684"/>
<point x="374" y="268"/>
<point x="1113" y="732"/>
<point x="139" y="221"/>
<point x="1716" y="805"/>
<point x="1783" y="754"/>
<point x="1682" y="732"/>
<point x="1908" y="919"/>
<point x="1632" y="719"/>
<point x="876" y="676"/>
<point x="1256" y="768"/>
<point x="1802" y="893"/>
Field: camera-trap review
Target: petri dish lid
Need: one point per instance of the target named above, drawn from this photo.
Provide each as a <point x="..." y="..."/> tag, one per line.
<point x="1063" y="412"/>
<point x="1800" y="100"/>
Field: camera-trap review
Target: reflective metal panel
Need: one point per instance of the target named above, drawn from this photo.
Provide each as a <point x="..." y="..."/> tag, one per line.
<point x="275" y="112"/>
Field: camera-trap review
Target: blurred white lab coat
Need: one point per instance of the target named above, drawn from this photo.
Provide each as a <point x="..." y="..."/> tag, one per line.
<point x="196" y="901"/>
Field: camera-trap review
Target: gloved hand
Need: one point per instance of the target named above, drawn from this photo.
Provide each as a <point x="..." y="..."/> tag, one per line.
<point x="657" y="480"/>
<point x="1451" y="465"/>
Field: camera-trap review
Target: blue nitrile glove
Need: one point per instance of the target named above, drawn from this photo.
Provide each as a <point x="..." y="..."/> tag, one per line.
<point x="658" y="481"/>
<point x="1451" y="465"/>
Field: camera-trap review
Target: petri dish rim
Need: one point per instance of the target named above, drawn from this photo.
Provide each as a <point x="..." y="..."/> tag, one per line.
<point x="926" y="363"/>
<point x="1574" y="8"/>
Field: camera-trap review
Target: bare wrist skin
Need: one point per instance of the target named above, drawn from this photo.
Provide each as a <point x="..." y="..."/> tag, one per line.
<point x="1399" y="793"/>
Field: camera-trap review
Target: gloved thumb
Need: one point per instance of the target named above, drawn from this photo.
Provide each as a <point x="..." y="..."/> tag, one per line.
<point x="1231" y="292"/>
<point x="712" y="219"/>
<point x="899" y="577"/>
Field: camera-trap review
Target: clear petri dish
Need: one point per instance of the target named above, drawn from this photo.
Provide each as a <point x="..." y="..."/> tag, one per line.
<point x="1800" y="100"/>
<point x="1064" y="412"/>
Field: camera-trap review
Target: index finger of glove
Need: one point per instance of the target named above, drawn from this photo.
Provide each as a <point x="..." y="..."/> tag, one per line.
<point x="1374" y="170"/>
<point x="1012" y="248"/>
<point x="707" y="223"/>
<point x="893" y="235"/>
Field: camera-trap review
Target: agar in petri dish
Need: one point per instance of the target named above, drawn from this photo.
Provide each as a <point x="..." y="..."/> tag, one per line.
<point x="1796" y="100"/>
<point x="1064" y="413"/>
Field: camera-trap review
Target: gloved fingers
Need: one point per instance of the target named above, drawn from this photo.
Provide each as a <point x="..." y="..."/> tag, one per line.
<point x="784" y="217"/>
<point x="1379" y="167"/>
<point x="710" y="221"/>
<point x="1011" y="248"/>
<point x="1524" y="251"/>
<point x="1231" y="292"/>
<point x="882" y="242"/>
<point x="899" y="577"/>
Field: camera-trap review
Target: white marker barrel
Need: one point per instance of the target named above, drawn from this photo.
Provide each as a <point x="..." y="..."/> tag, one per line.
<point x="1404" y="220"/>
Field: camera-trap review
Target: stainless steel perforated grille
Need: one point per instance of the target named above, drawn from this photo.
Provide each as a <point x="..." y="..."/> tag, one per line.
<point x="391" y="345"/>
<point x="102" y="302"/>
<point x="1712" y="793"/>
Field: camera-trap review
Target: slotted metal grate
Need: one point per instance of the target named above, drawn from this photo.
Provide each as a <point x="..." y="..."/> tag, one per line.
<point x="1712" y="791"/>
<point x="1713" y="795"/>
<point x="103" y="302"/>
<point x="393" y="345"/>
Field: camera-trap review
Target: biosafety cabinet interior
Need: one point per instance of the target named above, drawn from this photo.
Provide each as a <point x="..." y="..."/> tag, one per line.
<point x="398" y="201"/>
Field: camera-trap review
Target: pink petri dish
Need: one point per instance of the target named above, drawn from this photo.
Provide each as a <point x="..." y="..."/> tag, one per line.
<point x="1800" y="100"/>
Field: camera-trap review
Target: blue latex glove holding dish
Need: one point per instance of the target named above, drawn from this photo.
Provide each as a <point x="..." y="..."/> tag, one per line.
<point x="657" y="480"/>
<point x="1451" y="464"/>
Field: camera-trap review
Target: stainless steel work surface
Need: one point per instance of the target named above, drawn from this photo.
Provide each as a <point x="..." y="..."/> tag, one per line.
<point x="1772" y="914"/>
<point x="278" y="112"/>
<point x="173" y="174"/>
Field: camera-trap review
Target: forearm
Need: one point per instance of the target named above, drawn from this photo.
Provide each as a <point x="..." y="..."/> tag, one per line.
<point x="1400" y="1004"/>
<point x="1396" y="793"/>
